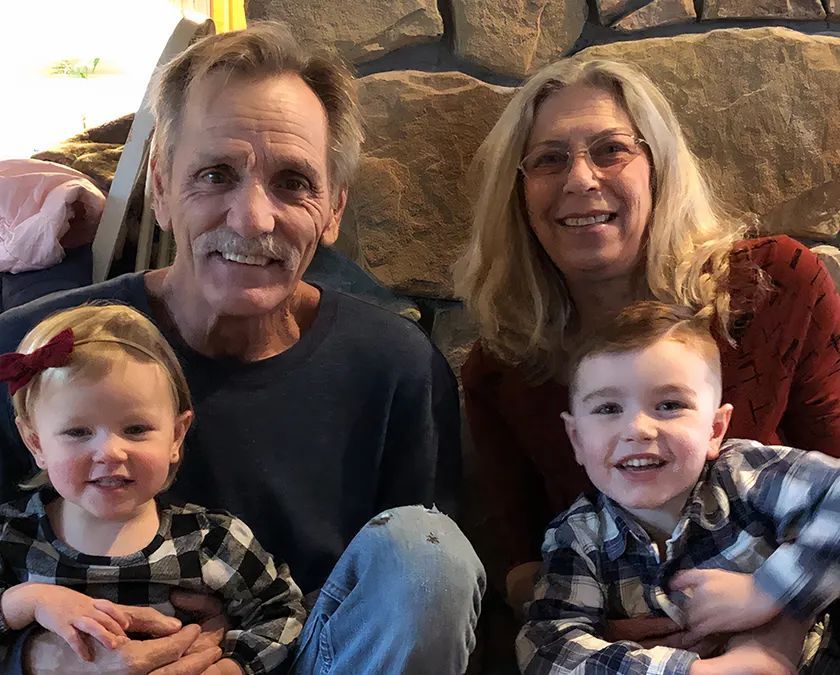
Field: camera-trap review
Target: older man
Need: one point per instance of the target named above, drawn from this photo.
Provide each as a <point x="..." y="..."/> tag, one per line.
<point x="314" y="411"/>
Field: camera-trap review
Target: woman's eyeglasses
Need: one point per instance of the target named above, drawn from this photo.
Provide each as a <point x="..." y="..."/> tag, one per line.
<point x="607" y="156"/>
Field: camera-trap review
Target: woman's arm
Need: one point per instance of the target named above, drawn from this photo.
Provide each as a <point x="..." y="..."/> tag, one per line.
<point x="812" y="417"/>
<point x="514" y="498"/>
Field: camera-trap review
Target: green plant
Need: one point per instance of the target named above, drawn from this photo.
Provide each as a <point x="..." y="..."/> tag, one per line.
<point x="73" y="68"/>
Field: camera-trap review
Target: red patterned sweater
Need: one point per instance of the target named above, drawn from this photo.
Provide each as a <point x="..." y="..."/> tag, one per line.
<point x="783" y="379"/>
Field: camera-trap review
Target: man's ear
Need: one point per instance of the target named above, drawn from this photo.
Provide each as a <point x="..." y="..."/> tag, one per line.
<point x="182" y="425"/>
<point x="720" y="424"/>
<point x="31" y="440"/>
<point x="571" y="432"/>
<point x="330" y="233"/>
<point x="159" y="201"/>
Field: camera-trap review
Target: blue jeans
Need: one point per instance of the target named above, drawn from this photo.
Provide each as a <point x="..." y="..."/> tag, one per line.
<point x="403" y="599"/>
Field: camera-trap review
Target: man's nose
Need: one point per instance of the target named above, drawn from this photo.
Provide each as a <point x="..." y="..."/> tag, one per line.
<point x="252" y="212"/>
<point x="580" y="176"/>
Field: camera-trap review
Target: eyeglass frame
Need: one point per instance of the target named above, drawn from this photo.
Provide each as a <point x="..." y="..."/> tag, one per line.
<point x="637" y="142"/>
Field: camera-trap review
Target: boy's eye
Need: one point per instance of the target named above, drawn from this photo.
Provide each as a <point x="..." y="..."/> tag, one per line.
<point x="671" y="406"/>
<point x="607" y="409"/>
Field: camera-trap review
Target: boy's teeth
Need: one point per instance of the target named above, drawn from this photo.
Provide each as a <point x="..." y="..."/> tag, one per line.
<point x="247" y="259"/>
<point x="642" y="462"/>
<point x="587" y="220"/>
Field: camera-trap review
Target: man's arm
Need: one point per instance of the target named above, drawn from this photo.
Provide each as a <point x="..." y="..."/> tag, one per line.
<point x="422" y="456"/>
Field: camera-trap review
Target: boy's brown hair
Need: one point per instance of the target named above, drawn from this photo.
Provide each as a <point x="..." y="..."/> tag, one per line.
<point x="642" y="324"/>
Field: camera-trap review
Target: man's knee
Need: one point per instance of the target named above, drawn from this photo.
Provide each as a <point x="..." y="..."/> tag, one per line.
<point x="421" y="556"/>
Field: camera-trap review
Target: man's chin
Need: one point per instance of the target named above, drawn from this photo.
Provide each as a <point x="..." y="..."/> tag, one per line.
<point x="250" y="302"/>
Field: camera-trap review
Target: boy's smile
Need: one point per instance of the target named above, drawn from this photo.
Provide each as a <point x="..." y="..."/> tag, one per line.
<point x="644" y="423"/>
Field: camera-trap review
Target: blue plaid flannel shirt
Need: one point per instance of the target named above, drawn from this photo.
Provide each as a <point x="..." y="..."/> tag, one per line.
<point x="767" y="510"/>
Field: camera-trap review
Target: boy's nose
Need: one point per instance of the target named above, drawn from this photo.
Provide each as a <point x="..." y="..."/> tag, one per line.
<point x="640" y="428"/>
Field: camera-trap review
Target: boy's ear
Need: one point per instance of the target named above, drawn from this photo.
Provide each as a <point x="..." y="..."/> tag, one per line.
<point x="720" y="424"/>
<point x="31" y="440"/>
<point x="571" y="432"/>
<point x="182" y="425"/>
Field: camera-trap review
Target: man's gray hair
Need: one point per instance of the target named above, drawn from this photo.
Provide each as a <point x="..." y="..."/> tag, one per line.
<point x="264" y="49"/>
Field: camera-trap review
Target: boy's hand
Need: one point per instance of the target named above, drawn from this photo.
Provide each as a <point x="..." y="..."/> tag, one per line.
<point x="718" y="601"/>
<point x="72" y="615"/>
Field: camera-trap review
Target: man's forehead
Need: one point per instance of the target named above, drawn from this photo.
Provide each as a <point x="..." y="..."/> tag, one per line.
<point x="221" y="98"/>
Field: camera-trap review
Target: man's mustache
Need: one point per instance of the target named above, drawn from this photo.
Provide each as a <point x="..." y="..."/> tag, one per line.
<point x="224" y="240"/>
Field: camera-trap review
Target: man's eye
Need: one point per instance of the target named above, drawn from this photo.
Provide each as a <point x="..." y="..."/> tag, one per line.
<point x="215" y="176"/>
<point x="294" y="184"/>
<point x="607" y="409"/>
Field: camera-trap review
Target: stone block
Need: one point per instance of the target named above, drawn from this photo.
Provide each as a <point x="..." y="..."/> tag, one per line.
<point x="799" y="10"/>
<point x="360" y="31"/>
<point x="657" y="13"/>
<point x="516" y="37"/>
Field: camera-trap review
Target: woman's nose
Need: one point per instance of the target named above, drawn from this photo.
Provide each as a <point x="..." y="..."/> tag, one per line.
<point x="580" y="176"/>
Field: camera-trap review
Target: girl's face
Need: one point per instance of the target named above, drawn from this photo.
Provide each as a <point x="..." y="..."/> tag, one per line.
<point x="108" y="444"/>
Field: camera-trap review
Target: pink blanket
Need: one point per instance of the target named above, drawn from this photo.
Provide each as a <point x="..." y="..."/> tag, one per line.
<point x="43" y="208"/>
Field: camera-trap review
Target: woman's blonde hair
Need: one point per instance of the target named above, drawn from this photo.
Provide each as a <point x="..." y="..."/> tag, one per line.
<point x="508" y="280"/>
<point x="103" y="334"/>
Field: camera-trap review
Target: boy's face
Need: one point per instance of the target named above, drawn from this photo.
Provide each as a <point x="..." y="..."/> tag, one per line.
<point x="644" y="423"/>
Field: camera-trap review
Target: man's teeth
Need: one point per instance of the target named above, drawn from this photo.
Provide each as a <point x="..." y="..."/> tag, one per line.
<point x="587" y="220"/>
<point x="246" y="259"/>
<point x="642" y="462"/>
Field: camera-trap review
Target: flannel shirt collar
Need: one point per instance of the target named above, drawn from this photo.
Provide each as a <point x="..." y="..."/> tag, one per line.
<point x="707" y="506"/>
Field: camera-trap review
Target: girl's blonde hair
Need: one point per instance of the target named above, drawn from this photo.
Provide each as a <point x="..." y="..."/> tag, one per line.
<point x="508" y="280"/>
<point x="102" y="334"/>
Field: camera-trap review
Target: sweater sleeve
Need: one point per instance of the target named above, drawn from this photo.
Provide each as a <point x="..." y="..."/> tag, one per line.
<point x="812" y="417"/>
<point x="799" y="492"/>
<point x="422" y="453"/>
<point x="516" y="500"/>
<point x="259" y="595"/>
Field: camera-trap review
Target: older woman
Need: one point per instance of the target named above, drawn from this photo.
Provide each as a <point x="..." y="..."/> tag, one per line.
<point x="589" y="199"/>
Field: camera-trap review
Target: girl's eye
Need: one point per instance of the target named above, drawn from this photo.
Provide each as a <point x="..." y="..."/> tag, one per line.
<point x="607" y="409"/>
<point x="137" y="430"/>
<point x="76" y="432"/>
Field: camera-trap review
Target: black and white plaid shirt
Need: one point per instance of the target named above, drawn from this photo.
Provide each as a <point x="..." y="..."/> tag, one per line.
<point x="194" y="550"/>
<point x="771" y="511"/>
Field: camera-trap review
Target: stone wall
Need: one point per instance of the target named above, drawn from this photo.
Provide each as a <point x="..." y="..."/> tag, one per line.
<point x="754" y="82"/>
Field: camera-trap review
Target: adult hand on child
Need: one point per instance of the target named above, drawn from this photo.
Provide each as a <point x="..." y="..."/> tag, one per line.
<point x="718" y="601"/>
<point x="657" y="631"/>
<point x="206" y="610"/>
<point x="747" y="658"/>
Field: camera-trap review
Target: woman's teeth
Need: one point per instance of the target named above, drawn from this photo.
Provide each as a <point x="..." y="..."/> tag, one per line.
<point x="587" y="220"/>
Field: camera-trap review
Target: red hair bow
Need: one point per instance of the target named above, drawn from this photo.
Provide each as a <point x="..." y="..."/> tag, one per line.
<point x="19" y="369"/>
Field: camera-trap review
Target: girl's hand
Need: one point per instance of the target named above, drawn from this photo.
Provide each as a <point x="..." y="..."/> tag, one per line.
<point x="718" y="601"/>
<point x="72" y="616"/>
